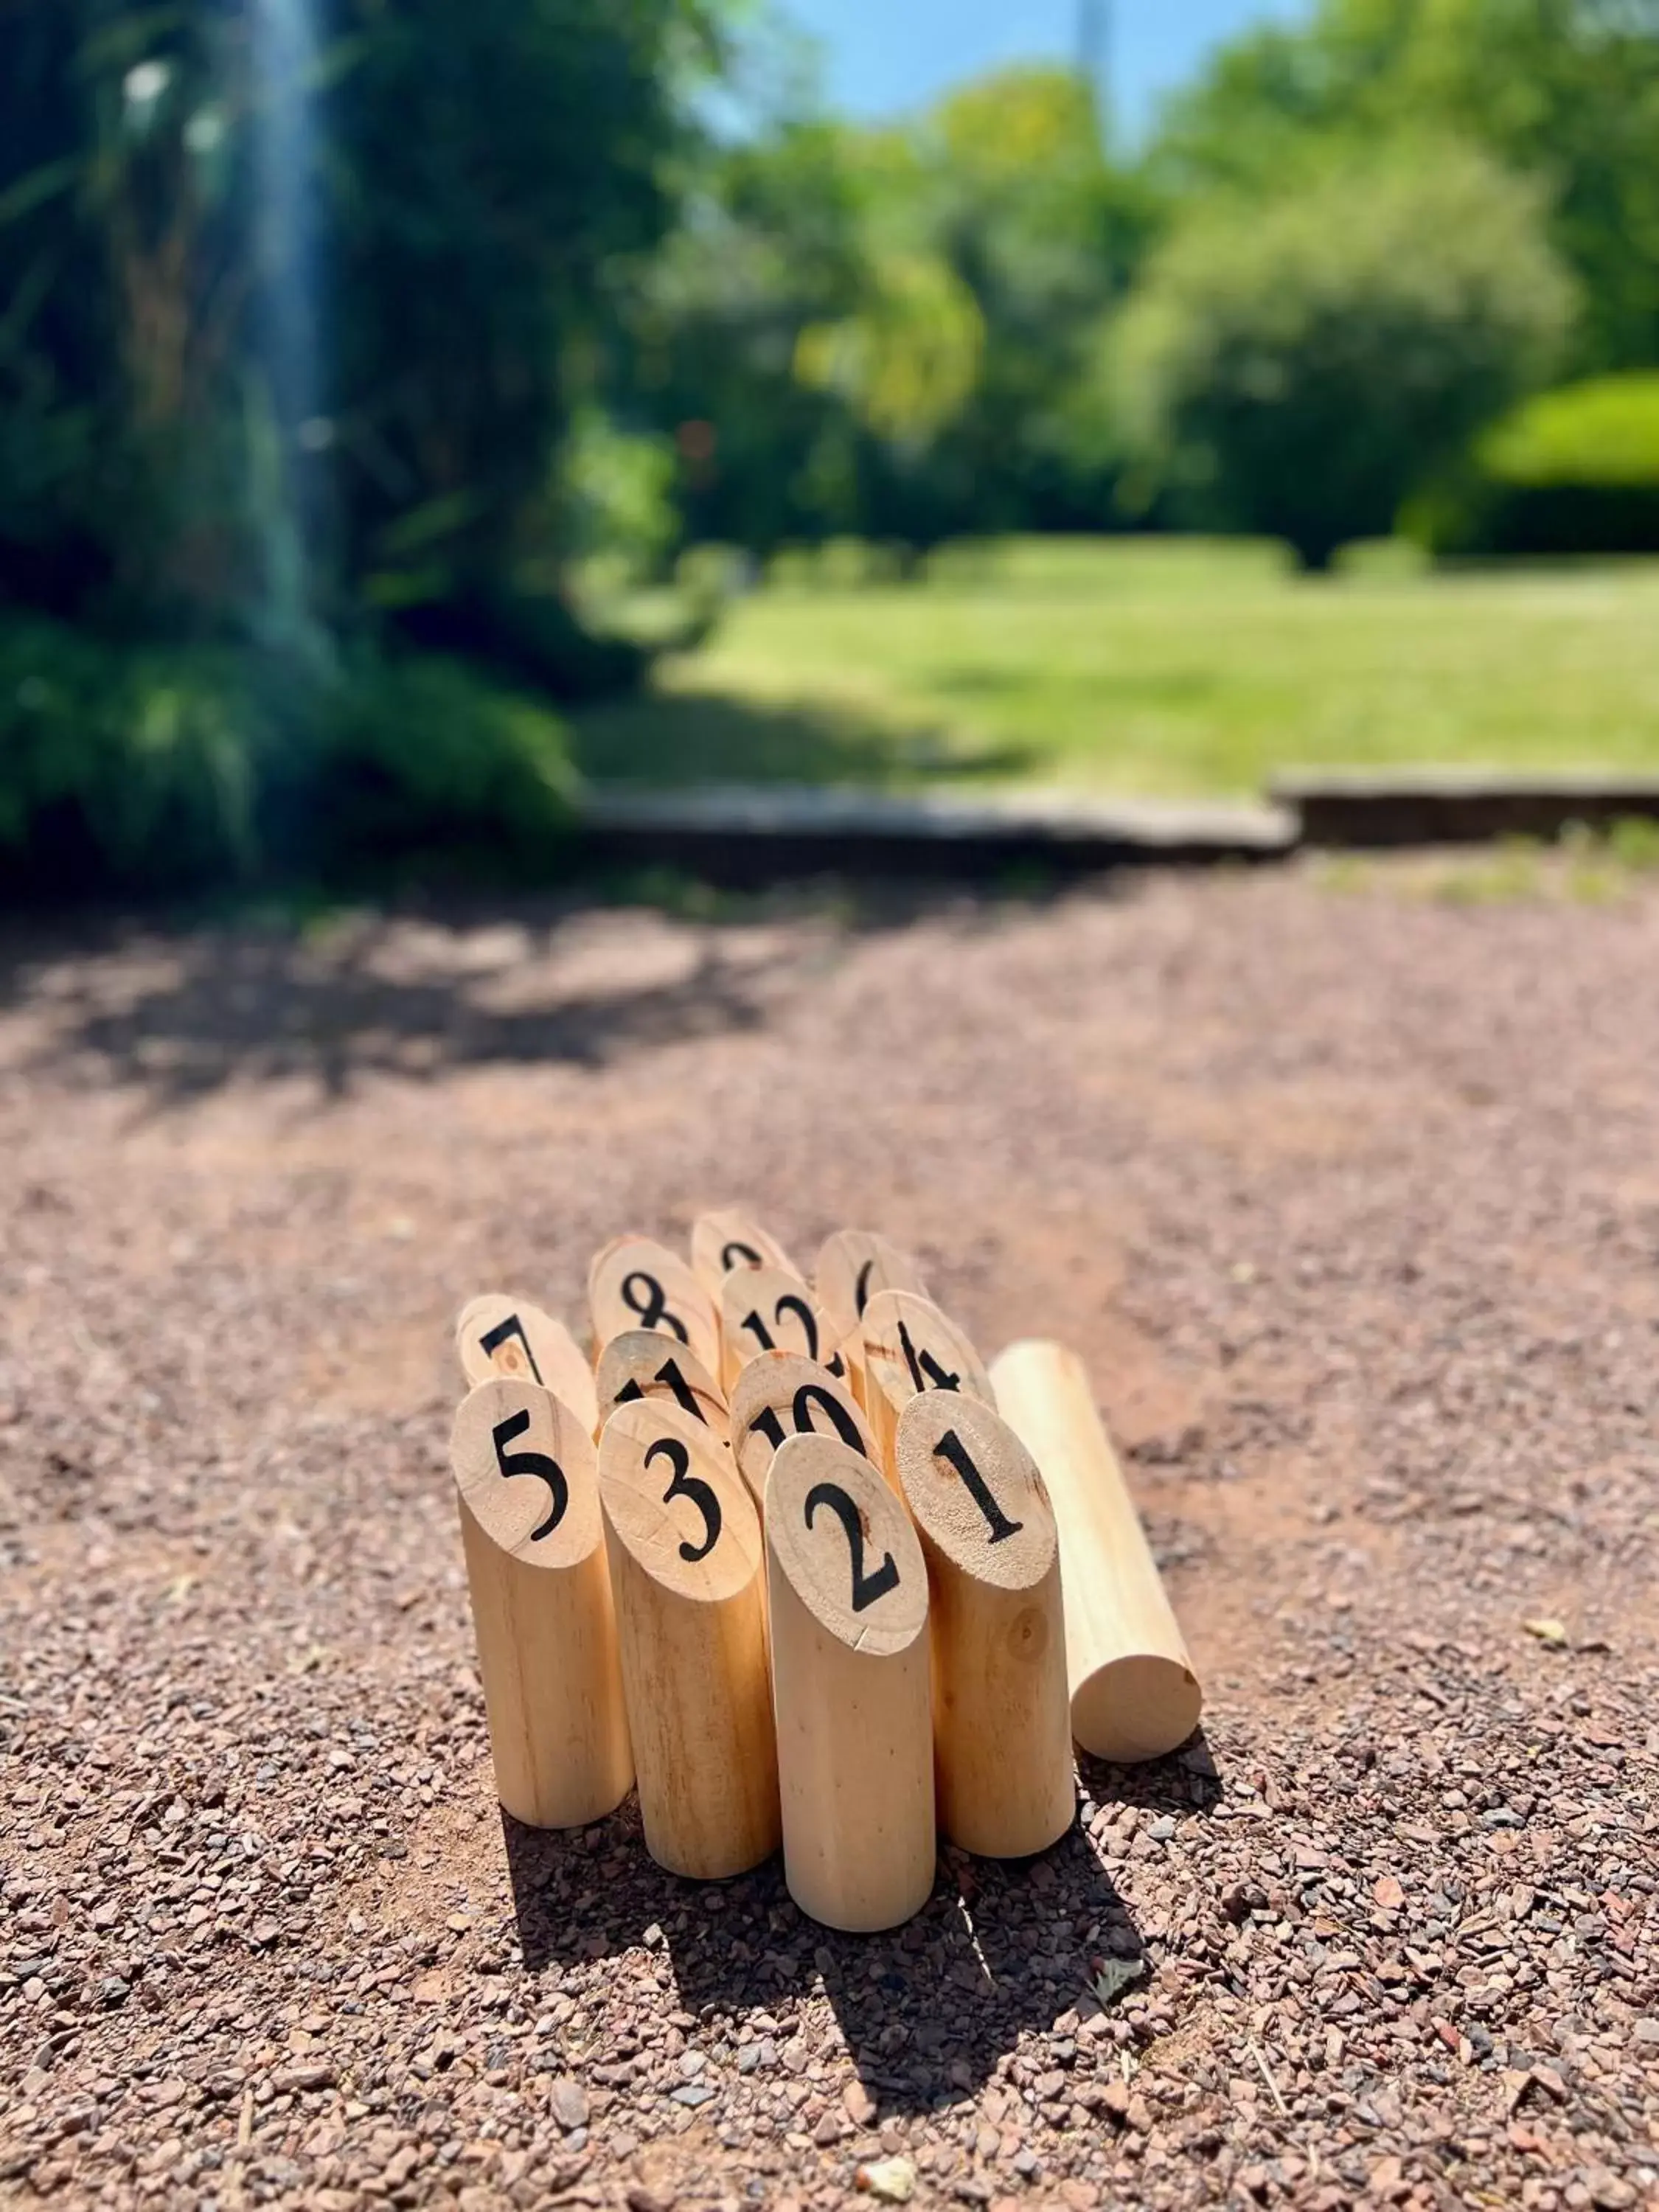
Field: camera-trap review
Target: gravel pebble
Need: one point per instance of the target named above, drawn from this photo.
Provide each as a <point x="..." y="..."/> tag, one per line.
<point x="1348" y="1199"/>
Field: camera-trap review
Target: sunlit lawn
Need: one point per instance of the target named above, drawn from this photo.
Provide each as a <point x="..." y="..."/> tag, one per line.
<point x="1159" y="668"/>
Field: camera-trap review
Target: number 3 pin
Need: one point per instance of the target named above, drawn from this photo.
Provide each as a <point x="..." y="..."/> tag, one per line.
<point x="684" y="1543"/>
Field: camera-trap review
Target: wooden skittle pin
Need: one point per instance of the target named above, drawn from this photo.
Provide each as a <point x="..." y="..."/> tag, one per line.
<point x="685" y="1559"/>
<point x="781" y="1395"/>
<point x="639" y="1365"/>
<point x="1002" y="1715"/>
<point x="726" y="1239"/>
<point x="853" y="1266"/>
<point x="848" y="1603"/>
<point x="497" y="1335"/>
<point x="536" y="1567"/>
<point x="769" y="1310"/>
<point x="1134" y="1694"/>
<point x="635" y="1283"/>
<point x="909" y="1345"/>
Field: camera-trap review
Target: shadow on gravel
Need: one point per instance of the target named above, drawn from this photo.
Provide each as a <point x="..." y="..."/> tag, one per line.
<point x="180" y="1011"/>
<point x="926" y="2011"/>
<point x="1187" y="1783"/>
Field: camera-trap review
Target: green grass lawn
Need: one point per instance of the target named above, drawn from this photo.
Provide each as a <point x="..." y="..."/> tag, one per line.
<point x="1162" y="667"/>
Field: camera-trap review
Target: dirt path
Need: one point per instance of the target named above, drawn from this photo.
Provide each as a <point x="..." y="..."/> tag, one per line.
<point x="1352" y="1202"/>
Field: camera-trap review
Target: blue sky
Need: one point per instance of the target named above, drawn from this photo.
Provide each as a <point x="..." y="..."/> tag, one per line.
<point x="883" y="57"/>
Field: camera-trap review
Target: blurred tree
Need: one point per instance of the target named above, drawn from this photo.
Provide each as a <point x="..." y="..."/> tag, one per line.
<point x="889" y="331"/>
<point x="1298" y="365"/>
<point x="485" y="171"/>
<point x="1047" y="235"/>
<point x="1566" y="91"/>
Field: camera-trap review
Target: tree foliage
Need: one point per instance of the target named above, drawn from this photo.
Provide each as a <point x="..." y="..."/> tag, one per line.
<point x="1564" y="91"/>
<point x="890" y="329"/>
<point x="1296" y="366"/>
<point x="483" y="172"/>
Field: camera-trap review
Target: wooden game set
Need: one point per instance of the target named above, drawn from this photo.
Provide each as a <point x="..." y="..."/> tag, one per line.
<point x="787" y="1556"/>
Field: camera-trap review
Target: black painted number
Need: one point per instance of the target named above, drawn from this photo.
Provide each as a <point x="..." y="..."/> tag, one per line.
<point x="867" y="1589"/>
<point x="790" y="1303"/>
<point x="687" y="1484"/>
<point x="861" y="1288"/>
<point x="757" y="1329"/>
<point x="738" y="1254"/>
<point x="503" y="1332"/>
<point x="766" y="1424"/>
<point x="531" y="1462"/>
<point x="643" y="1294"/>
<point x="670" y="1373"/>
<point x="950" y="1446"/>
<point x="925" y="1371"/>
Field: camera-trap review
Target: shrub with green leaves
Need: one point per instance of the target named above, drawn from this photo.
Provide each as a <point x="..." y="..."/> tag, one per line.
<point x="1574" y="471"/>
<point x="1296" y="365"/>
<point x="169" y="766"/>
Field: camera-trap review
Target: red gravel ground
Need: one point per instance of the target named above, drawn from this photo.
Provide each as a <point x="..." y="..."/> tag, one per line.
<point x="1351" y="1201"/>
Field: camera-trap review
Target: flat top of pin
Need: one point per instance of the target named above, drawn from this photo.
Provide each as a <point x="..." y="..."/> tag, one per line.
<point x="495" y="1334"/>
<point x="840" y="1537"/>
<point x="524" y="1468"/>
<point x="638" y="1364"/>
<point x="975" y="1490"/>
<point x="634" y="1282"/>
<point x="782" y="1394"/>
<point x="726" y="1238"/>
<point x="853" y="1265"/>
<point x="909" y="1345"/>
<point x="672" y="1496"/>
<point x="771" y="1309"/>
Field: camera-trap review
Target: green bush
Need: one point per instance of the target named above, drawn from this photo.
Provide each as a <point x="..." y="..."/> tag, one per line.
<point x="1296" y="366"/>
<point x="172" y="767"/>
<point x="1572" y="471"/>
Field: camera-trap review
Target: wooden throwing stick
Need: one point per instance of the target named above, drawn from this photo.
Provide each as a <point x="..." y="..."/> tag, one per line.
<point x="909" y="1345"/>
<point x="638" y="1365"/>
<point x="527" y="1487"/>
<point x="848" y="1597"/>
<point x="780" y="1395"/>
<point x="636" y="1283"/>
<point x="1002" y="1717"/>
<point x="726" y="1239"/>
<point x="497" y="1335"/>
<point x="1134" y="1691"/>
<point x="685" y="1561"/>
<point x="769" y="1310"/>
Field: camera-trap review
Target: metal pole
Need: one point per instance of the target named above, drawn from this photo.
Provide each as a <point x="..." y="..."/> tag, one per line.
<point x="1094" y="45"/>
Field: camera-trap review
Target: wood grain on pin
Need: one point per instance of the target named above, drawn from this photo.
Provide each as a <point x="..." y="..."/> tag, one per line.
<point x="726" y="1239"/>
<point x="497" y="1335"/>
<point x="909" y="1345"/>
<point x="527" y="1484"/>
<point x="635" y="1283"/>
<point x="685" y="1559"/>
<point x="1002" y="1724"/>
<point x="639" y="1365"/>
<point x="782" y="1395"/>
<point x="1134" y="1694"/>
<point x="848" y="1601"/>
<point x="769" y="1310"/>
